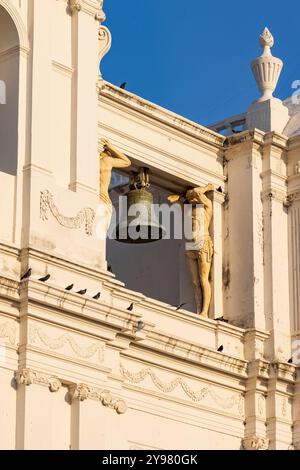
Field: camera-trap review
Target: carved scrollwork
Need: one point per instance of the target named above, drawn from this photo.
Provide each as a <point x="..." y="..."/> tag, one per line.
<point x="255" y="443"/>
<point x="85" y="217"/>
<point x="105" y="44"/>
<point x="79" y="392"/>
<point x="83" y="392"/>
<point x="29" y="377"/>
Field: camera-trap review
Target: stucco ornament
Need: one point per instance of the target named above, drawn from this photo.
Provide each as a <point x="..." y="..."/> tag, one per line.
<point x="266" y="68"/>
<point x="199" y="249"/>
<point x="256" y="443"/>
<point x="110" y="158"/>
<point x="85" y="217"/>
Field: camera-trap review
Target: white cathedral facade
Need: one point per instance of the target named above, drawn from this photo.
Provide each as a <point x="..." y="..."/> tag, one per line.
<point x="94" y="353"/>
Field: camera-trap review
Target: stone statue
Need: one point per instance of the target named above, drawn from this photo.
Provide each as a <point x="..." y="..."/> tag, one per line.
<point x="110" y="158"/>
<point x="199" y="250"/>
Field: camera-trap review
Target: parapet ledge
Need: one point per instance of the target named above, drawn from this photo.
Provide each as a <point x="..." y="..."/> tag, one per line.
<point x="161" y="114"/>
<point x="195" y="353"/>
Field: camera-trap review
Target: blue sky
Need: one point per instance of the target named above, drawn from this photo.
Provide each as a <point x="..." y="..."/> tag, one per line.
<point x="193" y="57"/>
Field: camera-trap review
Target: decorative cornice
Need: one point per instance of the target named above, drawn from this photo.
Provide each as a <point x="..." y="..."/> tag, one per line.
<point x="83" y="392"/>
<point x="255" y="443"/>
<point x="91" y="7"/>
<point x="85" y="217"/>
<point x="254" y="136"/>
<point x="283" y="371"/>
<point x="157" y="112"/>
<point x="259" y="368"/>
<point x="29" y="377"/>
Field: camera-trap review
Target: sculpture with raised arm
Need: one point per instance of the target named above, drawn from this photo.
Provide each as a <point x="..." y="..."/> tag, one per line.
<point x="199" y="250"/>
<point x="110" y="158"/>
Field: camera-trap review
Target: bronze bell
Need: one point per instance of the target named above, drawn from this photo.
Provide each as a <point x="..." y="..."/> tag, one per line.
<point x="139" y="223"/>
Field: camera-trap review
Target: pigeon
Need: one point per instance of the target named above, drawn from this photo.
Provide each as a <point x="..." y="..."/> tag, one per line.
<point x="27" y="274"/>
<point x="97" y="296"/>
<point x="69" y="287"/>
<point x="222" y="319"/>
<point x="140" y="325"/>
<point x="220" y="348"/>
<point x="123" y="85"/>
<point x="45" y="278"/>
<point x="130" y="308"/>
<point x="82" y="292"/>
<point x="290" y="361"/>
<point x="178" y="307"/>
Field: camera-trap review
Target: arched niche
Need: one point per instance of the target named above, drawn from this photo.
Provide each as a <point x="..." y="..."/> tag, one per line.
<point x="9" y="77"/>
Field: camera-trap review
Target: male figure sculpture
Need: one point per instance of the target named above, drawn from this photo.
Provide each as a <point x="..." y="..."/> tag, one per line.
<point x="199" y="250"/>
<point x="110" y="158"/>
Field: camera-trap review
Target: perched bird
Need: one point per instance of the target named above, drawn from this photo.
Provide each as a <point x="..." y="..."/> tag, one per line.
<point x="222" y="319"/>
<point x="26" y="275"/>
<point x="82" y="292"/>
<point x="123" y="85"/>
<point x="290" y="361"/>
<point x="69" y="287"/>
<point x="178" y="307"/>
<point x="45" y="278"/>
<point x="130" y="308"/>
<point x="97" y="296"/>
<point x="220" y="348"/>
<point x="140" y="325"/>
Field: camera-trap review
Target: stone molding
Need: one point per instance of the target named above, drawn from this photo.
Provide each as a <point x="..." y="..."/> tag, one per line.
<point x="91" y="7"/>
<point x="168" y="117"/>
<point x="255" y="443"/>
<point x="85" y="217"/>
<point x="275" y="195"/>
<point x="29" y="377"/>
<point x="83" y="392"/>
<point x="79" y="391"/>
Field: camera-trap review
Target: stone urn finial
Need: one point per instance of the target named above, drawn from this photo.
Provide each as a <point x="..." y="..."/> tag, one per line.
<point x="266" y="68"/>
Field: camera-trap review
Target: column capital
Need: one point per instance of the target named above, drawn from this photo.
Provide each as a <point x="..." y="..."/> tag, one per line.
<point x="91" y="7"/>
<point x="255" y="443"/>
<point x="29" y="377"/>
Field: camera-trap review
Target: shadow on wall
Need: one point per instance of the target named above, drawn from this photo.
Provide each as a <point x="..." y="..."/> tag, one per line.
<point x="9" y="75"/>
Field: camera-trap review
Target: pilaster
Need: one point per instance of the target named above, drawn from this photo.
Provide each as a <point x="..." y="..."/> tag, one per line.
<point x="243" y="269"/>
<point x="275" y="243"/>
<point x="86" y="15"/>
